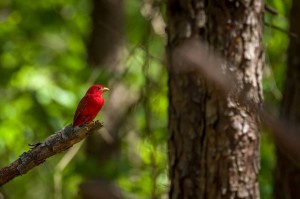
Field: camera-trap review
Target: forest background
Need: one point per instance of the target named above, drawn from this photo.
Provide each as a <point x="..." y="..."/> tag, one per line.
<point x="50" y="53"/>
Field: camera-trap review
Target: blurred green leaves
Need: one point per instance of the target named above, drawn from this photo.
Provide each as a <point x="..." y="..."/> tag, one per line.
<point x="43" y="70"/>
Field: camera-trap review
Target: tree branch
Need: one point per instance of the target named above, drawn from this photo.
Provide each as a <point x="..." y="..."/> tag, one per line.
<point x="54" y="144"/>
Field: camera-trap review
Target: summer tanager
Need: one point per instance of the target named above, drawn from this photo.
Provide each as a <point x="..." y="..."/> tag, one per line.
<point x="89" y="105"/>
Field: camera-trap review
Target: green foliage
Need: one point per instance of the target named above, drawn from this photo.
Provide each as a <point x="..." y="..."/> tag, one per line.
<point x="44" y="74"/>
<point x="276" y="43"/>
<point x="42" y="55"/>
<point x="267" y="166"/>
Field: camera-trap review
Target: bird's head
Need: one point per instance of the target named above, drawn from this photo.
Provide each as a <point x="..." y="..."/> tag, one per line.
<point x="97" y="89"/>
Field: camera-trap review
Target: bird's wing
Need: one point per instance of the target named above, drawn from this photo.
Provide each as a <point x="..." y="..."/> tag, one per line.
<point x="81" y="106"/>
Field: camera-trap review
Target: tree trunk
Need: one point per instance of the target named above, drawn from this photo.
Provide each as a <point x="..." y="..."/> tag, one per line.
<point x="107" y="33"/>
<point x="214" y="142"/>
<point x="287" y="173"/>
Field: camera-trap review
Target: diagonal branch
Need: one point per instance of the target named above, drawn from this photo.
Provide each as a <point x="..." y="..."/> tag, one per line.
<point x="54" y="144"/>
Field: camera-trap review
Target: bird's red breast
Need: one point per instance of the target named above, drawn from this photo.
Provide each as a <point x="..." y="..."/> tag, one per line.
<point x="89" y="105"/>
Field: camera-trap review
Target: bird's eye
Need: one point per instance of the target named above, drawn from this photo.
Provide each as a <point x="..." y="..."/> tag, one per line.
<point x="99" y="88"/>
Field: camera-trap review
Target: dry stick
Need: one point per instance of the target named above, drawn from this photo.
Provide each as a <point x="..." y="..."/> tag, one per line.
<point x="271" y="10"/>
<point x="54" y="144"/>
<point x="291" y="34"/>
<point x="274" y="12"/>
<point x="195" y="56"/>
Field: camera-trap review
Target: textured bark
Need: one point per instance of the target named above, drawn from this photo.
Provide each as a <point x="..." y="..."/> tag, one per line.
<point x="287" y="173"/>
<point x="54" y="144"/>
<point x="214" y="142"/>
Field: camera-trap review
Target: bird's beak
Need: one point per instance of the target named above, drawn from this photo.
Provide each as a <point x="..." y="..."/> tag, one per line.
<point x="105" y="89"/>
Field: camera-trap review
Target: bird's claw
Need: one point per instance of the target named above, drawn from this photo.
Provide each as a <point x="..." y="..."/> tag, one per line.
<point x="94" y="123"/>
<point x="97" y="121"/>
<point x="34" y="145"/>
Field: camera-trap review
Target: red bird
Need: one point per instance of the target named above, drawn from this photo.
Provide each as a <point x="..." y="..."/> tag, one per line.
<point x="89" y="105"/>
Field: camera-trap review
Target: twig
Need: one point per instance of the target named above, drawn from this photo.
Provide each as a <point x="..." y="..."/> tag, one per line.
<point x="271" y="10"/>
<point x="291" y="34"/>
<point x="54" y="144"/>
